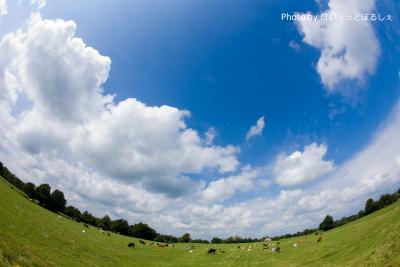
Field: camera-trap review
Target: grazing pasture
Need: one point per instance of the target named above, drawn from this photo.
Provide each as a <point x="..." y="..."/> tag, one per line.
<point x="33" y="236"/>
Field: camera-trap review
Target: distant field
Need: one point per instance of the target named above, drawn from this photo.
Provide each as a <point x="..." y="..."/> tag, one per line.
<point x="33" y="236"/>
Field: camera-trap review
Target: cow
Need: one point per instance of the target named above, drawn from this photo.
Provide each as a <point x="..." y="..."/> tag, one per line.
<point x="277" y="249"/>
<point x="108" y="234"/>
<point x="211" y="251"/>
<point x="319" y="239"/>
<point x="131" y="245"/>
<point x="142" y="242"/>
<point x="85" y="225"/>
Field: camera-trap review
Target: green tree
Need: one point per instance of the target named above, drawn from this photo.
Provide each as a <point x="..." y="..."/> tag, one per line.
<point x="327" y="223"/>
<point x="385" y="200"/>
<point x="87" y="217"/>
<point x="73" y="212"/>
<point x="142" y="230"/>
<point x="120" y="226"/>
<point x="42" y="193"/>
<point x="361" y="214"/>
<point x="29" y="189"/>
<point x="186" y="238"/>
<point x="105" y="222"/>
<point x="370" y="206"/>
<point x="216" y="240"/>
<point x="58" y="201"/>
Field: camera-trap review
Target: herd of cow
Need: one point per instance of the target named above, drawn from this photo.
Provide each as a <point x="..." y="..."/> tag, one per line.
<point x="268" y="245"/>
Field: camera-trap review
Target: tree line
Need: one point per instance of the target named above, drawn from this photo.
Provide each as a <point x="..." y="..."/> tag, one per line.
<point x="370" y="206"/>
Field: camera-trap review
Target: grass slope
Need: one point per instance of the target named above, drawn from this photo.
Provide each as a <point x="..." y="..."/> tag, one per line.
<point x="33" y="236"/>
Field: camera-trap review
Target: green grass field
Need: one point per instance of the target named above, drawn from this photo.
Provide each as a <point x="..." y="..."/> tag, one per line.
<point x="33" y="236"/>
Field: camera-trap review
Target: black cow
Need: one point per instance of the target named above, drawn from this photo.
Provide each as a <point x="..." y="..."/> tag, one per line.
<point x="85" y="225"/>
<point x="142" y="242"/>
<point x="131" y="245"/>
<point x="211" y="251"/>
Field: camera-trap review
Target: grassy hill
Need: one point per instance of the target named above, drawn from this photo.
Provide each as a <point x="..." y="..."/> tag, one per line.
<point x="33" y="236"/>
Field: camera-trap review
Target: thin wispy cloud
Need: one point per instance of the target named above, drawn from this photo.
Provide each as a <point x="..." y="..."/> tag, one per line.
<point x="257" y="129"/>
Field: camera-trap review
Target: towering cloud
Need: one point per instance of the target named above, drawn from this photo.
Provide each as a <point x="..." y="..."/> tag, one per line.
<point x="66" y="114"/>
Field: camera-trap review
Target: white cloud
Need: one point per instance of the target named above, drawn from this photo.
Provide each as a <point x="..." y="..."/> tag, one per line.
<point x="224" y="188"/>
<point x="349" y="49"/>
<point x="71" y="89"/>
<point x="3" y="7"/>
<point x="70" y="117"/>
<point x="139" y="142"/>
<point x="301" y="167"/>
<point x="256" y="129"/>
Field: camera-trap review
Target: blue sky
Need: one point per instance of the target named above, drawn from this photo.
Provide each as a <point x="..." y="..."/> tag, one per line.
<point x="228" y="63"/>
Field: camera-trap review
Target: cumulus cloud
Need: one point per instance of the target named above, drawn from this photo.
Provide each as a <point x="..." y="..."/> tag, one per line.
<point x="133" y="141"/>
<point x="69" y="115"/>
<point x="70" y="89"/>
<point x="301" y="167"/>
<point x="256" y="129"/>
<point x="3" y="7"/>
<point x="349" y="49"/>
<point x="224" y="188"/>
